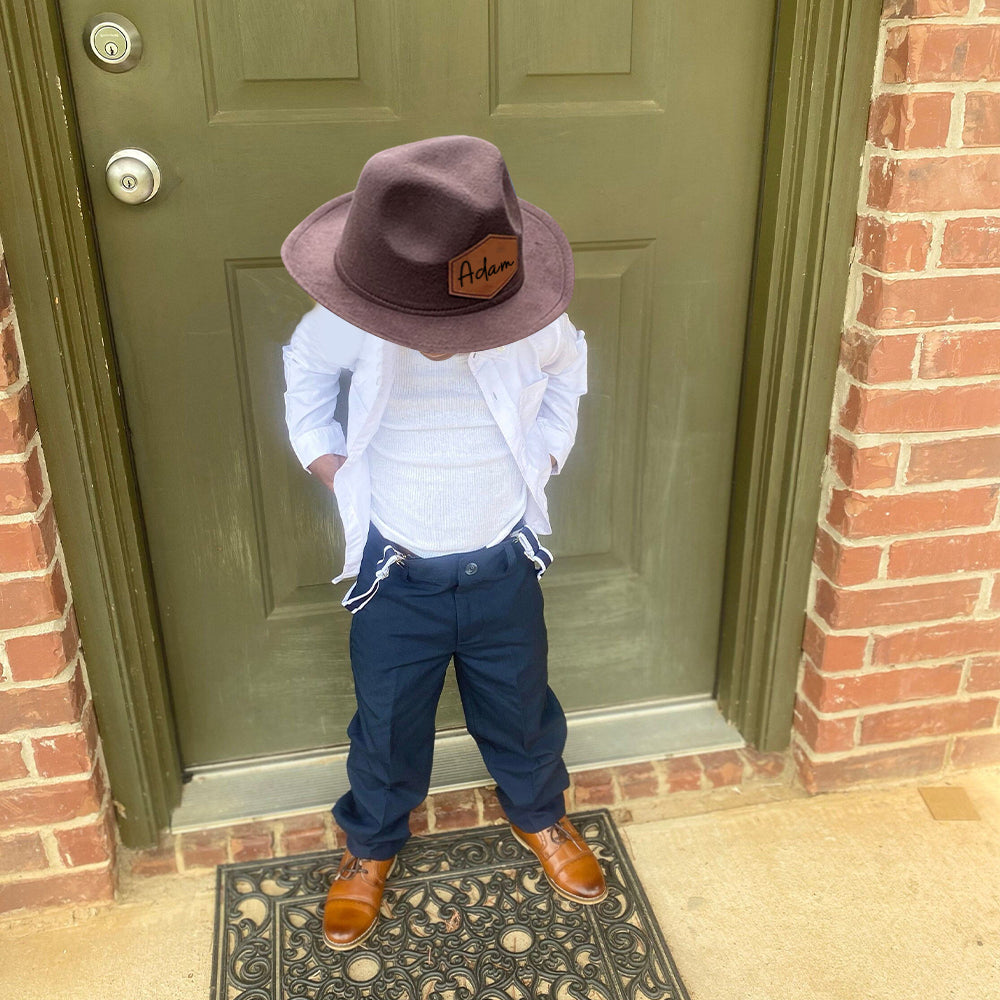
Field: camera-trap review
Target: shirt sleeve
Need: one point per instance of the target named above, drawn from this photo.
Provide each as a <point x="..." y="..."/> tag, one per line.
<point x="566" y="368"/>
<point x="321" y="347"/>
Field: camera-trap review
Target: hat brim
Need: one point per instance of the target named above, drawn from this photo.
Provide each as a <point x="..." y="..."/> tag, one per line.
<point x="307" y="253"/>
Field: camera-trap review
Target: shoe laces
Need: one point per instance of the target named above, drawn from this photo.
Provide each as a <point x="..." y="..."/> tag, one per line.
<point x="352" y="868"/>
<point x="558" y="834"/>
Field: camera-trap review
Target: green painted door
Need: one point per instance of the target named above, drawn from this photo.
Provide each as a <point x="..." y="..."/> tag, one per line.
<point x="638" y="126"/>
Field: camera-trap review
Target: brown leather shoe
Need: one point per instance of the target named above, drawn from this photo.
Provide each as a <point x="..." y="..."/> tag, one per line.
<point x="352" y="904"/>
<point x="568" y="863"/>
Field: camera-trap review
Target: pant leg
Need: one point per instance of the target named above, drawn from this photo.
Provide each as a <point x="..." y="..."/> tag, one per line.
<point x="401" y="643"/>
<point x="501" y="665"/>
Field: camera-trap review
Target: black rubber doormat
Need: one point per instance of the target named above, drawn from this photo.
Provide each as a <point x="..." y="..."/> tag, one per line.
<point x="466" y="915"/>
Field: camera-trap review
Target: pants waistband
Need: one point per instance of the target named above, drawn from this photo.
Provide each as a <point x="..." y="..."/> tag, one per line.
<point x="458" y="568"/>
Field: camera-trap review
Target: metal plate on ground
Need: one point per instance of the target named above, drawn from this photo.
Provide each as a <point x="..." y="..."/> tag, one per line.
<point x="466" y="915"/>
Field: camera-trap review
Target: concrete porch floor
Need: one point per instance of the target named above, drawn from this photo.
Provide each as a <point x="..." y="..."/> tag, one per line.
<point x="860" y="895"/>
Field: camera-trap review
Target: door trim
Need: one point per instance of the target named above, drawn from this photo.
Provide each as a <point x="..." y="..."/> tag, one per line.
<point x="824" y="57"/>
<point x="49" y="239"/>
<point x="821" y="84"/>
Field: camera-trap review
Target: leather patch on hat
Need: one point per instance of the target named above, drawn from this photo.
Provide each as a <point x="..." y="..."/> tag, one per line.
<point x="482" y="270"/>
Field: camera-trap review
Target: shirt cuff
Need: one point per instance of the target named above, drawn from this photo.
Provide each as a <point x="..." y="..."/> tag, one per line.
<point x="309" y="445"/>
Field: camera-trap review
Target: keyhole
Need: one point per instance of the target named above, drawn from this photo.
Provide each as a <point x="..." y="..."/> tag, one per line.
<point x="111" y="49"/>
<point x="128" y="182"/>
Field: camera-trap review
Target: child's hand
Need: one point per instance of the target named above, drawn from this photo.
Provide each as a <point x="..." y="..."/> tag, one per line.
<point x="325" y="468"/>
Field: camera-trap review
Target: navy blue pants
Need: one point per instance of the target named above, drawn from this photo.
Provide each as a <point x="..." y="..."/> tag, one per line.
<point x="485" y="610"/>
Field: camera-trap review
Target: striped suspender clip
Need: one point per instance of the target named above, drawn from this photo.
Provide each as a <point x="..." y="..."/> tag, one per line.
<point x="390" y="557"/>
<point x="534" y="549"/>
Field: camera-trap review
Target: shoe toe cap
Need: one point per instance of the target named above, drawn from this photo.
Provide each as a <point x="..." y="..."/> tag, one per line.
<point x="346" y="921"/>
<point x="584" y="877"/>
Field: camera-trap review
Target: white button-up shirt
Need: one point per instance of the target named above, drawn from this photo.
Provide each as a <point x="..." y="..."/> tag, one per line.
<point x="532" y="387"/>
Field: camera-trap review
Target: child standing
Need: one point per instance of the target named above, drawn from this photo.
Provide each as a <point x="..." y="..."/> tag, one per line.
<point x="445" y="294"/>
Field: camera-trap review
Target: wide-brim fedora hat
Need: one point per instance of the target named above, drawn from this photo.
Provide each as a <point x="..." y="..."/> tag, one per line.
<point x="434" y="250"/>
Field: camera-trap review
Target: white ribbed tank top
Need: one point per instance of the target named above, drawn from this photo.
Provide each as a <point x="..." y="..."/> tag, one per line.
<point x="443" y="478"/>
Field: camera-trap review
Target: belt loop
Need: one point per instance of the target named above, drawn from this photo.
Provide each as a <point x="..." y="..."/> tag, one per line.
<point x="509" y="553"/>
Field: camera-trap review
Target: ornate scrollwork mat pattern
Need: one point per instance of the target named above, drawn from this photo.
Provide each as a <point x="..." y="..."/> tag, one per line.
<point x="466" y="915"/>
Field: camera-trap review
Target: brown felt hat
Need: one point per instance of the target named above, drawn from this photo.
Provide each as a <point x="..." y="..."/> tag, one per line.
<point x="434" y="250"/>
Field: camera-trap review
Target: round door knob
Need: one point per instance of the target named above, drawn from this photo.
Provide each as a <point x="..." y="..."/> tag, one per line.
<point x="132" y="176"/>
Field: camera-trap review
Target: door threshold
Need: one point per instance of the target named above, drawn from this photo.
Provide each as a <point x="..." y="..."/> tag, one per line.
<point x="221" y="794"/>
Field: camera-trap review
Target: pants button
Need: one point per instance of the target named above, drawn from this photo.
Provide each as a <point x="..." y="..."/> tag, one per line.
<point x="471" y="569"/>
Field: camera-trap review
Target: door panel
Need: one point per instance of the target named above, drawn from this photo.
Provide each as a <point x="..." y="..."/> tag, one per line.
<point x="603" y="57"/>
<point x="637" y="126"/>
<point x="323" y="60"/>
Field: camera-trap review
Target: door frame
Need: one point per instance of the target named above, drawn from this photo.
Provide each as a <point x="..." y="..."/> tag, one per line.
<point x="822" y="60"/>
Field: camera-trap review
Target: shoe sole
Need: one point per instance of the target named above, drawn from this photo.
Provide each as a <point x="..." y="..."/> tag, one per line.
<point x="371" y="927"/>
<point x="588" y="901"/>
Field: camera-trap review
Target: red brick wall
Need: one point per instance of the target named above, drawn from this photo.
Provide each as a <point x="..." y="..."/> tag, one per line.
<point x="901" y="665"/>
<point x="57" y="836"/>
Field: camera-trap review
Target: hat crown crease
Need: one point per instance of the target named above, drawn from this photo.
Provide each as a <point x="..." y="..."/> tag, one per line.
<point x="413" y="210"/>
